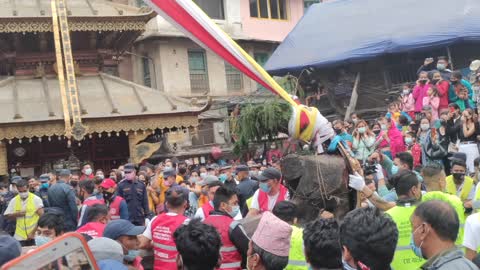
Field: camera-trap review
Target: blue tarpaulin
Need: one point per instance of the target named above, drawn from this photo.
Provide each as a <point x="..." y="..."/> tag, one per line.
<point x="342" y="31"/>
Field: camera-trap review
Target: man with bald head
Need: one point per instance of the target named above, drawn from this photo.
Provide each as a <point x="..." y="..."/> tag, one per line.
<point x="435" y="226"/>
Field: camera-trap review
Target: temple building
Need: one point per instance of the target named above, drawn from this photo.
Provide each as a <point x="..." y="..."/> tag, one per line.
<point x="91" y="114"/>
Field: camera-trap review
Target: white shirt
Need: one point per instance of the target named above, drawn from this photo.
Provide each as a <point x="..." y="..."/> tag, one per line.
<point x="272" y="200"/>
<point x="148" y="231"/>
<point x="471" y="239"/>
<point x="37" y="201"/>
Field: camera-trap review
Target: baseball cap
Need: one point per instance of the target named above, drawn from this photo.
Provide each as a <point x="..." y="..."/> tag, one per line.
<point x="105" y="248"/>
<point x="242" y="168"/>
<point x="270" y="173"/>
<point x="108" y="183"/>
<point x="169" y="172"/>
<point x="209" y="180"/>
<point x="9" y="249"/>
<point x="120" y="227"/>
<point x="44" y="178"/>
<point x="127" y="168"/>
<point x="212" y="167"/>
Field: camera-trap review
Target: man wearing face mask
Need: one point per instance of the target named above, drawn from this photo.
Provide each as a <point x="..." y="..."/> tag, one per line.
<point x="441" y="66"/>
<point x="159" y="232"/>
<point x="117" y="206"/>
<point x="209" y="186"/>
<point x="234" y="240"/>
<point x="435" y="226"/>
<point x="341" y="136"/>
<point x="125" y="233"/>
<point x="135" y="194"/>
<point x="25" y="208"/>
<point x="88" y="200"/>
<point x="43" y="191"/>
<point x="270" y="192"/>
<point x="87" y="172"/>
<point x="226" y="177"/>
<point x="409" y="195"/>
<point x="50" y="226"/>
<point x="456" y="83"/>
<point x="245" y="188"/>
<point x="461" y="185"/>
<point x="62" y="196"/>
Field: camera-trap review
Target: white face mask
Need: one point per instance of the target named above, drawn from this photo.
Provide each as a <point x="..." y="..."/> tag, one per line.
<point x="425" y="127"/>
<point x="88" y="171"/>
<point x="23" y="195"/>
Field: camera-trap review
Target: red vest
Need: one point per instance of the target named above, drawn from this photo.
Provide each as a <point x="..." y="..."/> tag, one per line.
<point x="94" y="229"/>
<point x="164" y="247"/>
<point x="207" y="208"/>
<point x="231" y="258"/>
<point x="115" y="208"/>
<point x="263" y="198"/>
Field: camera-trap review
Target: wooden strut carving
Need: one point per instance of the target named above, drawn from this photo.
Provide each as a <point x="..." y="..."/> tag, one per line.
<point x="70" y="102"/>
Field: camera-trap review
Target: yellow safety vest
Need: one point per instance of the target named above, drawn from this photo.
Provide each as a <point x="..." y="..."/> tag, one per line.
<point x="456" y="203"/>
<point x="25" y="225"/>
<point x="404" y="258"/>
<point x="452" y="188"/>
<point x="296" y="258"/>
<point x="249" y="202"/>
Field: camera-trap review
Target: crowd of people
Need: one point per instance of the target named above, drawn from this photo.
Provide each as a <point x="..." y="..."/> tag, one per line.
<point x="418" y="197"/>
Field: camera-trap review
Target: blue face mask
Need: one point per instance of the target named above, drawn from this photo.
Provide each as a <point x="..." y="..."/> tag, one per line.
<point x="222" y="177"/>
<point x="394" y="169"/>
<point x="44" y="186"/>
<point x="265" y="188"/>
<point x="235" y="210"/>
<point x="132" y="254"/>
<point x="41" y="240"/>
<point x="416" y="249"/>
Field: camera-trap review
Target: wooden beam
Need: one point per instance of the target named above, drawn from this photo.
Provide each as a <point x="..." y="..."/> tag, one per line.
<point x="48" y="100"/>
<point x="39" y="6"/>
<point x="16" y="105"/>
<point x="82" y="108"/>
<point x="353" y="99"/>
<point x="108" y="94"/>
<point x="13" y="3"/>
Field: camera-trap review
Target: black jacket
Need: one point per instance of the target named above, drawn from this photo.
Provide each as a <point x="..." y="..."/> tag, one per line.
<point x="62" y="196"/>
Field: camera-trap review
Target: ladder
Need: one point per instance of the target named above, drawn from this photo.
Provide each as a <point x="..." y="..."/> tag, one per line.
<point x="74" y="127"/>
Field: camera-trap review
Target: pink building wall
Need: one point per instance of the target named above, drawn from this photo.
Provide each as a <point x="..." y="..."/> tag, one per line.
<point x="272" y="30"/>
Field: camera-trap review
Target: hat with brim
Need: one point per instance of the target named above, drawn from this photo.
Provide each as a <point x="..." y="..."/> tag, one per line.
<point x="209" y="181"/>
<point x="121" y="227"/>
<point x="270" y="173"/>
<point x="475" y="65"/>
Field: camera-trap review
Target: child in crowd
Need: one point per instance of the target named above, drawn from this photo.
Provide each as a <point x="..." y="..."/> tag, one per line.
<point x="414" y="148"/>
<point x="408" y="102"/>
<point x="433" y="100"/>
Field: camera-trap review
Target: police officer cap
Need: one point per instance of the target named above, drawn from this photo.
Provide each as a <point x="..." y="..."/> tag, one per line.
<point x="44" y="178"/>
<point x="64" y="172"/>
<point x="128" y="168"/>
<point x="242" y="168"/>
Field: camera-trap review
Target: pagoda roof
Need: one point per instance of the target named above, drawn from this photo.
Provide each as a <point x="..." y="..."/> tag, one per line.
<point x="83" y="15"/>
<point x="108" y="104"/>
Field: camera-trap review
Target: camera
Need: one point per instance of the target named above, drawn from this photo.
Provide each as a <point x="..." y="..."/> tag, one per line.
<point x="369" y="169"/>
